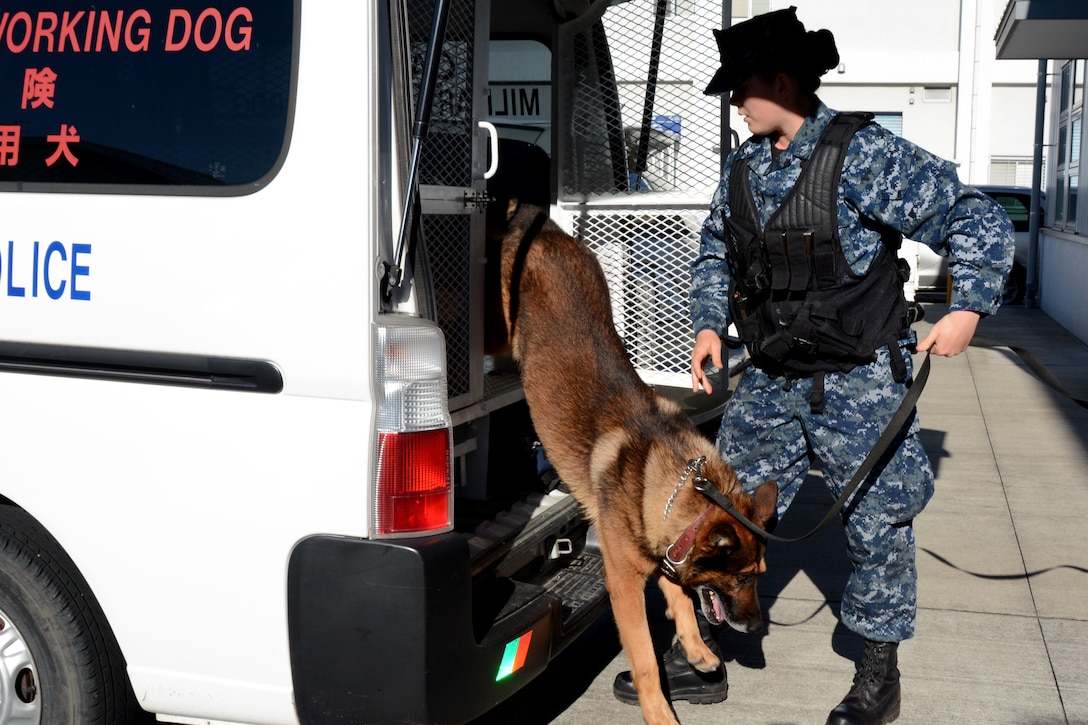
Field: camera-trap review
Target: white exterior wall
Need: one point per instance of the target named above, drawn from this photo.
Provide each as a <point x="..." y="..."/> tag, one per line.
<point x="1063" y="259"/>
<point x="928" y="123"/>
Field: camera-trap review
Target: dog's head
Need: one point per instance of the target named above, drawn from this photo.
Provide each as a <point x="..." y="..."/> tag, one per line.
<point x="726" y="559"/>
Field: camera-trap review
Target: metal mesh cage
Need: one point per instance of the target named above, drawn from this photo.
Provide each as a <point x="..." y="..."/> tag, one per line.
<point x="646" y="257"/>
<point x="638" y="151"/>
<point x="448" y="253"/>
<point x="641" y="154"/>
<point x="658" y="101"/>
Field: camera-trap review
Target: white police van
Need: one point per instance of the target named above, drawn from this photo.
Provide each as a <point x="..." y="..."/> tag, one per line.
<point x="254" y="464"/>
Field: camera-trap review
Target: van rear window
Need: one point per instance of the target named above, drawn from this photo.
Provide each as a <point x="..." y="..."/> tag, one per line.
<point x="162" y="95"/>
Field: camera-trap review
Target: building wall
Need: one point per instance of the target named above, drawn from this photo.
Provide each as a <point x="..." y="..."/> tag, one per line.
<point x="929" y="112"/>
<point x="1063" y="253"/>
<point x="1063" y="259"/>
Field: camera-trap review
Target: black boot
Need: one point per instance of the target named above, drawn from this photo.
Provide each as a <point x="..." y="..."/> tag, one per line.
<point x="681" y="681"/>
<point x="874" y="698"/>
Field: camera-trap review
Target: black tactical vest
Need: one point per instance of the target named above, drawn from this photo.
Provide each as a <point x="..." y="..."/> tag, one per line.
<point x="796" y="302"/>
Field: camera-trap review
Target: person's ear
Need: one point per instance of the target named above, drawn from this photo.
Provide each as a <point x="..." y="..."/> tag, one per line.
<point x="784" y="85"/>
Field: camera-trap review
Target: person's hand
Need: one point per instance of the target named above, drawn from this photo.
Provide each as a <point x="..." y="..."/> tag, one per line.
<point x="707" y="344"/>
<point x="950" y="335"/>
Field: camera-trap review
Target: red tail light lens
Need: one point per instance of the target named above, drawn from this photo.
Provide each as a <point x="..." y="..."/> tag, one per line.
<point x="413" y="482"/>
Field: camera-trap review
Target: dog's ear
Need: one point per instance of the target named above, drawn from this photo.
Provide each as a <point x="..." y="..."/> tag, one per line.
<point x="721" y="538"/>
<point x="766" y="500"/>
<point x="511" y="209"/>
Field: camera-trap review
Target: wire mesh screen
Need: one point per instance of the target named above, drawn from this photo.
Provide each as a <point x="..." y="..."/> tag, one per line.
<point x="637" y="117"/>
<point x="446" y="161"/>
<point x="640" y="157"/>
<point x="447" y="150"/>
<point x="646" y="259"/>
<point x="448" y="254"/>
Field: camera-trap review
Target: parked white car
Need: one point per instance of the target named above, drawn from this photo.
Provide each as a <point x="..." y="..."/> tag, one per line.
<point x="932" y="274"/>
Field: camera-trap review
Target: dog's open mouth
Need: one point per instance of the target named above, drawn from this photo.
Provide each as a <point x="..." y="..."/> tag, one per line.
<point x="711" y="604"/>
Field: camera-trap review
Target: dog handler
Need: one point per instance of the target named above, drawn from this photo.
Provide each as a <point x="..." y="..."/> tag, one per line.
<point x="820" y="308"/>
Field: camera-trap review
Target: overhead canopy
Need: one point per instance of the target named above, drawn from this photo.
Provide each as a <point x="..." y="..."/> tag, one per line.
<point x="1043" y="29"/>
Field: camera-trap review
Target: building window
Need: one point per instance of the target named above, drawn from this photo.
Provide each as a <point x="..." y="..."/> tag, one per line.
<point x="680" y="8"/>
<point x="1012" y="170"/>
<point x="891" y="121"/>
<point x="750" y="8"/>
<point x="1070" y="130"/>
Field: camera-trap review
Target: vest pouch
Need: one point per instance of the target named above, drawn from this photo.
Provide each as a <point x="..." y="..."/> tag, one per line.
<point x="825" y="267"/>
<point x="778" y="245"/>
<point x="902" y="266"/>
<point x="748" y="255"/>
<point x="802" y="332"/>
<point x="789" y="332"/>
<point x="758" y="278"/>
<point x="799" y="253"/>
<point x="790" y="253"/>
<point x="746" y="318"/>
<point x="820" y="330"/>
<point x="777" y="347"/>
<point x="749" y="329"/>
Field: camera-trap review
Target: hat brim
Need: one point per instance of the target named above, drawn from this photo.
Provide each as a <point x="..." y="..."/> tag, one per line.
<point x="727" y="78"/>
<point x="724" y="81"/>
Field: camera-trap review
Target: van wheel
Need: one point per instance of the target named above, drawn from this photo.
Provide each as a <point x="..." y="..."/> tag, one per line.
<point x="59" y="662"/>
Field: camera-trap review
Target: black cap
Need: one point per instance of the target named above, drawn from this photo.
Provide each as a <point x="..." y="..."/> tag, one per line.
<point x="770" y="43"/>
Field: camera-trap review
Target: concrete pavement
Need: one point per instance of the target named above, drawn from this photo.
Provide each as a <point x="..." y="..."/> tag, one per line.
<point x="1002" y="557"/>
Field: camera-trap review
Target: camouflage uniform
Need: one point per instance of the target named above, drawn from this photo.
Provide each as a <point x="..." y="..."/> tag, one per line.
<point x="769" y="430"/>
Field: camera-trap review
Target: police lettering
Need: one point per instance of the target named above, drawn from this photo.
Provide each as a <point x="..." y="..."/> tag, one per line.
<point x="98" y="31"/>
<point x="55" y="270"/>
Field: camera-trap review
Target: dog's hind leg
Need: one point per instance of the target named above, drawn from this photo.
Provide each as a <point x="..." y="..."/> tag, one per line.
<point x="681" y="610"/>
<point x="625" y="578"/>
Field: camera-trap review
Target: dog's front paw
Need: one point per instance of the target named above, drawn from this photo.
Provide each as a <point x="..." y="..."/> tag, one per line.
<point x="707" y="664"/>
<point x="701" y="658"/>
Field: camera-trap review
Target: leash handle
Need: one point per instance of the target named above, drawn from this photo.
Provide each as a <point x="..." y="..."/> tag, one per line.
<point x="902" y="414"/>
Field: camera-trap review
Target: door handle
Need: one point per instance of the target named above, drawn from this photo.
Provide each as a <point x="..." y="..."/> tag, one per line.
<point x="493" y="142"/>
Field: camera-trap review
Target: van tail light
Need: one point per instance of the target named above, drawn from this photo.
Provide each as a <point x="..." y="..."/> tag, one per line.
<point x="413" y="490"/>
<point x="413" y="482"/>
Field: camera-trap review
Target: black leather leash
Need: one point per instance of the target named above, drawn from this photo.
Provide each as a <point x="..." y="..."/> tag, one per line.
<point x="902" y="415"/>
<point x="1033" y="363"/>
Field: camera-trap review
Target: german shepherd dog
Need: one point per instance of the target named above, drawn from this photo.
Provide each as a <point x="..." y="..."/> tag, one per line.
<point x="628" y="456"/>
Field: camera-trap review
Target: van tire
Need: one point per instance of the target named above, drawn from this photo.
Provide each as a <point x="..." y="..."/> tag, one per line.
<point x="61" y="663"/>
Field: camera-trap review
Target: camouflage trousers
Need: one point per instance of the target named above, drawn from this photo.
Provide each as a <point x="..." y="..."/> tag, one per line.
<point x="768" y="432"/>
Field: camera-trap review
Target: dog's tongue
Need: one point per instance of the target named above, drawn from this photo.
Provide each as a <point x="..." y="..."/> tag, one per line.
<point x="711" y="605"/>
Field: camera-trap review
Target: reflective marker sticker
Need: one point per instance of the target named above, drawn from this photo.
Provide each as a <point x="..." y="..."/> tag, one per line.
<point x="513" y="657"/>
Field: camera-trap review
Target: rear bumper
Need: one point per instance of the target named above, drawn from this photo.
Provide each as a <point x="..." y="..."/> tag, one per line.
<point x="385" y="631"/>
